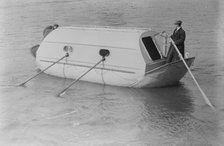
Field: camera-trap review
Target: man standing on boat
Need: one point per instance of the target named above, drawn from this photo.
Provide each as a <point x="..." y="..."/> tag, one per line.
<point x="178" y="37"/>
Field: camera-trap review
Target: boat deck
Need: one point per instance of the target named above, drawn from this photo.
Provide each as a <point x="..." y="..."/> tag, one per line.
<point x="155" y="64"/>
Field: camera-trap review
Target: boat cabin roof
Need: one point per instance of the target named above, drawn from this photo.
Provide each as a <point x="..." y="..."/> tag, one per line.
<point x="109" y="37"/>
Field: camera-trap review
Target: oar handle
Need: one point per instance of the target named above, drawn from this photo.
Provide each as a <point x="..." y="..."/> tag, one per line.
<point x="202" y="92"/>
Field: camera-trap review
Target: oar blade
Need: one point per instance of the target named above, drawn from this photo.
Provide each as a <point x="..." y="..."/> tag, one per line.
<point x="207" y="101"/>
<point x="21" y="85"/>
<point x="60" y="94"/>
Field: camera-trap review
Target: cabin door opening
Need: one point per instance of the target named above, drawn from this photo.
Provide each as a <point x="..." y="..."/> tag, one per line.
<point x="151" y="48"/>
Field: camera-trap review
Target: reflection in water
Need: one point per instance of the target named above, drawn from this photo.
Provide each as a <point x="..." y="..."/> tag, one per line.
<point x="174" y="99"/>
<point x="124" y="114"/>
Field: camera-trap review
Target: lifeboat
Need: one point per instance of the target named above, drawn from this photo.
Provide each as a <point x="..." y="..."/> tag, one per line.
<point x="134" y="56"/>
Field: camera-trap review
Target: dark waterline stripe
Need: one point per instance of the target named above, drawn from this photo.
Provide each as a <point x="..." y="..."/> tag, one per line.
<point x="116" y="70"/>
<point x="54" y="58"/>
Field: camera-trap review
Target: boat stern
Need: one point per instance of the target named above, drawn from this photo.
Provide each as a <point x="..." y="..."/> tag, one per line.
<point x="165" y="75"/>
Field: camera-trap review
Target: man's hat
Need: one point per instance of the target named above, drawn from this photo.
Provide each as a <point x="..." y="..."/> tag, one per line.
<point x="178" y="22"/>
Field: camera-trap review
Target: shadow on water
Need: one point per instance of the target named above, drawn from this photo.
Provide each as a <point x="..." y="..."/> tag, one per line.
<point x="173" y="98"/>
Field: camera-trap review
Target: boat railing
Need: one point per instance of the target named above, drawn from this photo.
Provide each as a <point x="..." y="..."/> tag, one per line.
<point x="164" y="43"/>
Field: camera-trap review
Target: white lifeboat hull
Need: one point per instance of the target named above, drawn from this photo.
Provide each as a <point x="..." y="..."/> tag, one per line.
<point x="125" y="66"/>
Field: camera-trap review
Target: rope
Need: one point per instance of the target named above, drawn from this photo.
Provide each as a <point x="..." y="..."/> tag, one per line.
<point x="76" y="80"/>
<point x="66" y="59"/>
<point x="102" y="73"/>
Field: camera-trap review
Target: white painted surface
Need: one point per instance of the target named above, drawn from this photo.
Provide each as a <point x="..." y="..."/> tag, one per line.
<point x="123" y="67"/>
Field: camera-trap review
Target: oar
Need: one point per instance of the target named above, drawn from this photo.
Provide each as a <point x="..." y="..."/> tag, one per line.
<point x="202" y="92"/>
<point x="23" y="83"/>
<point x="76" y="80"/>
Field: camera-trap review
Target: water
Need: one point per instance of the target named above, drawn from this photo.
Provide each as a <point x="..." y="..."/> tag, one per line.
<point x="97" y="115"/>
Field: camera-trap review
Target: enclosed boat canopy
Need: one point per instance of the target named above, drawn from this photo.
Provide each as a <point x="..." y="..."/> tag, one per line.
<point x="108" y="37"/>
<point x="131" y="51"/>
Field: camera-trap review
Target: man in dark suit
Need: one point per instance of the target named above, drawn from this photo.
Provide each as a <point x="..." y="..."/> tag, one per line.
<point x="178" y="37"/>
